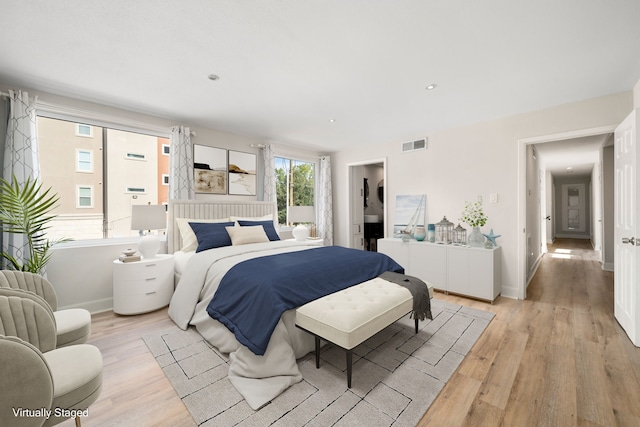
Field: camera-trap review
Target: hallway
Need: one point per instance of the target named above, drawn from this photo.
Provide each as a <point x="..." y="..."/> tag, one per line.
<point x="558" y="358"/>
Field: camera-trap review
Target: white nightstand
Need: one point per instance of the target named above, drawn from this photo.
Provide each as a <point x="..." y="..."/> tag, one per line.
<point x="142" y="286"/>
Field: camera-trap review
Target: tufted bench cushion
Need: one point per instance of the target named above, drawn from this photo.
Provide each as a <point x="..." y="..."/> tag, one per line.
<point x="350" y="316"/>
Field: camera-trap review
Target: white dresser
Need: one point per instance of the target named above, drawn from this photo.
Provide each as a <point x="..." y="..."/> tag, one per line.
<point x="473" y="272"/>
<point x="142" y="286"/>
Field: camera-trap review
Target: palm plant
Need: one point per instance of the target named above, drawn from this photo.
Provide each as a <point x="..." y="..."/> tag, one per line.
<point x="26" y="210"/>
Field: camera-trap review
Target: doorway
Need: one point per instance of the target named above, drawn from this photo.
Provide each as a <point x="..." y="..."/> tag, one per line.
<point x="367" y="207"/>
<point x="529" y="212"/>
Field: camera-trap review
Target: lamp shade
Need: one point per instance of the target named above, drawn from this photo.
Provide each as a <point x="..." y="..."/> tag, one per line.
<point x="148" y="217"/>
<point x="301" y="214"/>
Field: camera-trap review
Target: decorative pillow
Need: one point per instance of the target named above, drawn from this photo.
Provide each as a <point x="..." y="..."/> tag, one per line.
<point x="244" y="235"/>
<point x="249" y="218"/>
<point x="211" y="235"/>
<point x="272" y="234"/>
<point x="189" y="240"/>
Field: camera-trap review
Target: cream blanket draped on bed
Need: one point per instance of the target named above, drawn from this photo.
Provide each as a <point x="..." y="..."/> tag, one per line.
<point x="257" y="378"/>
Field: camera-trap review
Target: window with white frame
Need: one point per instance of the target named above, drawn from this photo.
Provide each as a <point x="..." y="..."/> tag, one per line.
<point x="84" y="130"/>
<point x="165" y="179"/>
<point x="84" y="161"/>
<point x="95" y="179"/>
<point x="84" y="196"/>
<point x="166" y="149"/>
<point x="295" y="185"/>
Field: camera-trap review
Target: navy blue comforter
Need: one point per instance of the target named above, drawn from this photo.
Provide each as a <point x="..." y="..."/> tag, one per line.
<point x="253" y="294"/>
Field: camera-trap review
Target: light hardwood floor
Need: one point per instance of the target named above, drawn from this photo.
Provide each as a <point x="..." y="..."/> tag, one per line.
<point x="558" y="358"/>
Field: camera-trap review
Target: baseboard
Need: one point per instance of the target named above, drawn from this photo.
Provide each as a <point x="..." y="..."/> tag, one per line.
<point x="509" y="292"/>
<point x="533" y="270"/>
<point x="607" y="266"/>
<point x="96" y="306"/>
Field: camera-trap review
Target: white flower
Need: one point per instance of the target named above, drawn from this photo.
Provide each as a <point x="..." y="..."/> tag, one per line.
<point x="473" y="214"/>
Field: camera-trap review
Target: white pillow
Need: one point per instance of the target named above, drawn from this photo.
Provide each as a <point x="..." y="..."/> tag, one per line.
<point x="244" y="235"/>
<point x="189" y="239"/>
<point x="251" y="218"/>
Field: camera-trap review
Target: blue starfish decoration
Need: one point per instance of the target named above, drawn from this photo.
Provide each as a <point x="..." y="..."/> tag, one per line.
<point x="492" y="237"/>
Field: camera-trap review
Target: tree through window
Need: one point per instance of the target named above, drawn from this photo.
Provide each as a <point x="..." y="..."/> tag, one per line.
<point x="295" y="185"/>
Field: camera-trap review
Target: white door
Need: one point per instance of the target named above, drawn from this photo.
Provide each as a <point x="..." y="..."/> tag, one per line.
<point x="573" y="207"/>
<point x="627" y="230"/>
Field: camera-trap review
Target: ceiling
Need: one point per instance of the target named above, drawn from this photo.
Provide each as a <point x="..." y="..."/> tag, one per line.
<point x="324" y="74"/>
<point x="572" y="157"/>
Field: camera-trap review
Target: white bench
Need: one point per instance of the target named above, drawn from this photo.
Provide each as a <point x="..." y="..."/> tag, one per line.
<point x="348" y="317"/>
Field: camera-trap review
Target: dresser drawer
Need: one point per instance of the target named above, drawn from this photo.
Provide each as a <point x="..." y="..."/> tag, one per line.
<point x="143" y="286"/>
<point x="136" y="304"/>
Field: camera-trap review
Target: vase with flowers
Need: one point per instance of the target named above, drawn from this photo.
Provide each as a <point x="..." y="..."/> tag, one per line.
<point x="475" y="217"/>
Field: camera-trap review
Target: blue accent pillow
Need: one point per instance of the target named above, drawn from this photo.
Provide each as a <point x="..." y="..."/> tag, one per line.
<point x="272" y="234"/>
<point x="211" y="234"/>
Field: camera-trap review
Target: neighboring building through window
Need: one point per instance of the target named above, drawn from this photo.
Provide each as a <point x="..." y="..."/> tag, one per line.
<point x="84" y="161"/>
<point x="84" y="130"/>
<point x="85" y="197"/>
<point x="295" y="185"/>
<point x="99" y="178"/>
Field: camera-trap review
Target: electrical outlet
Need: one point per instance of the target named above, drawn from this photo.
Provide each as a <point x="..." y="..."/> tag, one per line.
<point x="493" y="198"/>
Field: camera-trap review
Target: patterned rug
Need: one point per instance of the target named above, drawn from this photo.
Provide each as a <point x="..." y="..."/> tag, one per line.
<point x="396" y="375"/>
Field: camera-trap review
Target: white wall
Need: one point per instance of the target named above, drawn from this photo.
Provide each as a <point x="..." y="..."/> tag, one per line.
<point x="478" y="159"/>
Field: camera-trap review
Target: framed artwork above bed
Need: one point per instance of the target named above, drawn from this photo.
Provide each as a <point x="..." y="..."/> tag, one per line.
<point x="242" y="173"/>
<point x="210" y="169"/>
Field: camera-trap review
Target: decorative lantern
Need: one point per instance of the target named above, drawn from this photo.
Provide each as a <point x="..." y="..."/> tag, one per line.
<point x="444" y="231"/>
<point x="459" y="235"/>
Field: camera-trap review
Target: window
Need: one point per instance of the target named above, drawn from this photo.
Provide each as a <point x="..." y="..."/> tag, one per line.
<point x="85" y="197"/>
<point x="166" y="149"/>
<point x="84" y="130"/>
<point x="135" y="190"/>
<point x="295" y="185"/>
<point x="165" y="179"/>
<point x="84" y="161"/>
<point x="95" y="178"/>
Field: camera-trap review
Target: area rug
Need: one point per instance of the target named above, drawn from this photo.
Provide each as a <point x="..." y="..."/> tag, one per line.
<point x="397" y="374"/>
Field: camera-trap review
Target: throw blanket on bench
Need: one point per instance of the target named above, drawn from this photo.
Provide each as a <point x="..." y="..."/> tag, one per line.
<point x="419" y="291"/>
<point x="253" y="294"/>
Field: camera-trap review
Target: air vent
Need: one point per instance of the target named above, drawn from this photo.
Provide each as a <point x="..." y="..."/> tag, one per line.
<point x="419" y="144"/>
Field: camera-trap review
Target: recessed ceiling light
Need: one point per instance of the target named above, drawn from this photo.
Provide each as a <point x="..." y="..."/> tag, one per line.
<point x="332" y="120"/>
<point x="570" y="169"/>
<point x="431" y="86"/>
<point x="213" y="77"/>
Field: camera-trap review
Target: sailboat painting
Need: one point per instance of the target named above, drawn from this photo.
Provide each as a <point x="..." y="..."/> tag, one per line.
<point x="410" y="212"/>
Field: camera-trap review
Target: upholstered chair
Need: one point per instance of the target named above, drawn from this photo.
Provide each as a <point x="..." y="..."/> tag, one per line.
<point x="73" y="325"/>
<point x="34" y="374"/>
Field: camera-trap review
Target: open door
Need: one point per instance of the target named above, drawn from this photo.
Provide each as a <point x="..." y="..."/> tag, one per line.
<point x="627" y="229"/>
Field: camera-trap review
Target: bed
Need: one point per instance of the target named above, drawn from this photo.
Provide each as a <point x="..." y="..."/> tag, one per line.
<point x="259" y="372"/>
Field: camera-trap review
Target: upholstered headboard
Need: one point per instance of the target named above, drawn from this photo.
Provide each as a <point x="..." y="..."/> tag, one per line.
<point x="201" y="209"/>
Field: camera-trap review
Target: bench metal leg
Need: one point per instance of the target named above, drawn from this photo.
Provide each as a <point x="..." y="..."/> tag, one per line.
<point x="317" y="351"/>
<point x="349" y="367"/>
<point x="416" y="325"/>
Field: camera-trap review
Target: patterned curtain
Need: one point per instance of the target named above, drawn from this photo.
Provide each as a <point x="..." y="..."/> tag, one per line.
<point x="20" y="158"/>
<point x="181" y="185"/>
<point x="269" y="168"/>
<point x="325" y="202"/>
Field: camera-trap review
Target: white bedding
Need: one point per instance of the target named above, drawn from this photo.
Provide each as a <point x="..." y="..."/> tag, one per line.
<point x="258" y="378"/>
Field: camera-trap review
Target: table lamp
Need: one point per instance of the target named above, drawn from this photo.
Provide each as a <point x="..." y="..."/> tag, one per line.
<point x="301" y="215"/>
<point x="148" y="217"/>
